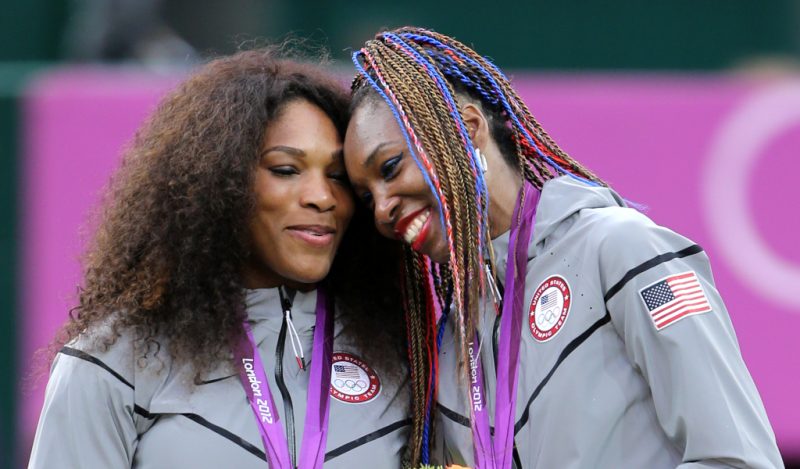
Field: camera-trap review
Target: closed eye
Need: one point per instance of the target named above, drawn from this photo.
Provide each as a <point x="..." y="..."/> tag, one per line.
<point x="389" y="167"/>
<point x="284" y="171"/>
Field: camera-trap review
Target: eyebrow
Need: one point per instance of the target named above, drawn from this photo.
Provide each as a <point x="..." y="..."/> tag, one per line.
<point x="284" y="149"/>
<point x="336" y="155"/>
<point x="375" y="151"/>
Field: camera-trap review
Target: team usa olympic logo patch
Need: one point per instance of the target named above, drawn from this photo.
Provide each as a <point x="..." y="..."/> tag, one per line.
<point x="549" y="308"/>
<point x="352" y="380"/>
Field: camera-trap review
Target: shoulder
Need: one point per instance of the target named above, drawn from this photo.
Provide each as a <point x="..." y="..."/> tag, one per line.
<point x="617" y="227"/>
<point x="623" y="243"/>
<point x="103" y="350"/>
<point x="569" y="205"/>
<point x="115" y="354"/>
<point x="88" y="376"/>
<point x="625" y="234"/>
<point x="595" y="216"/>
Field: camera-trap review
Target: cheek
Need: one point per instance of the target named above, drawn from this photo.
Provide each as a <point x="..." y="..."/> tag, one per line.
<point x="413" y="180"/>
<point x="270" y="191"/>
<point x="264" y="234"/>
<point x="271" y="200"/>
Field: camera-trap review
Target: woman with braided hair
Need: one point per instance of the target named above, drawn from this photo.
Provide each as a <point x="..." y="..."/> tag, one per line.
<point x="574" y="331"/>
<point x="222" y="320"/>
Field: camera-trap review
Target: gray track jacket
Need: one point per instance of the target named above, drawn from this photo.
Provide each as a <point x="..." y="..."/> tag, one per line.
<point x="101" y="411"/>
<point x="615" y="372"/>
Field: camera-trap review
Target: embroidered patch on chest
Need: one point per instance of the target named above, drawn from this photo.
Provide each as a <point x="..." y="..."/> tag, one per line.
<point x="673" y="298"/>
<point x="352" y="380"/>
<point x="549" y="308"/>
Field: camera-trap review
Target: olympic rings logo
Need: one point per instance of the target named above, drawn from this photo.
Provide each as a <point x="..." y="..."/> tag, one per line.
<point x="350" y="385"/>
<point x="352" y="380"/>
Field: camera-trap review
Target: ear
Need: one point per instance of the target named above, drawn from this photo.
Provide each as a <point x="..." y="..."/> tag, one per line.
<point x="476" y="122"/>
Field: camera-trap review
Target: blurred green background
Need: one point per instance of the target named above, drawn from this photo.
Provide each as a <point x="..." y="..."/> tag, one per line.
<point x="705" y="36"/>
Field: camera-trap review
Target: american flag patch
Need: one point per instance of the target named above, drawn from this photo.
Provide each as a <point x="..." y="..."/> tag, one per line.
<point x="547" y="301"/>
<point x="674" y="298"/>
<point x="346" y="371"/>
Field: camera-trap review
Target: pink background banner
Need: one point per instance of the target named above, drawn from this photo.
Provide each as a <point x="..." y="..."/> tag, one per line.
<point x="713" y="157"/>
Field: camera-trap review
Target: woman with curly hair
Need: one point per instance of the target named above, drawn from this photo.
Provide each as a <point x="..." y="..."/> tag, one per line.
<point x="581" y="334"/>
<point x="217" y="326"/>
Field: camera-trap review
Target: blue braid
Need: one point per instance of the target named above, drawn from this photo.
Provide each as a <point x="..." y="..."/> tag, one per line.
<point x="449" y="67"/>
<point x="445" y="313"/>
<point x="501" y="95"/>
<point x="496" y="87"/>
<point x="425" y="456"/>
<point x="441" y="82"/>
<point x="399" y="120"/>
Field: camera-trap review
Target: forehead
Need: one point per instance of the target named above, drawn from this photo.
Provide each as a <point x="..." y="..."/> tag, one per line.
<point x="372" y="124"/>
<point x="300" y="120"/>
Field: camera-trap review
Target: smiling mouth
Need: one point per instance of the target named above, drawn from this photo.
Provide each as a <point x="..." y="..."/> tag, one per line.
<point x="412" y="229"/>
<point x="316" y="235"/>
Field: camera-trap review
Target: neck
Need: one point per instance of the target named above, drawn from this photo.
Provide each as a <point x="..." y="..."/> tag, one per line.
<point x="503" y="184"/>
<point x="254" y="278"/>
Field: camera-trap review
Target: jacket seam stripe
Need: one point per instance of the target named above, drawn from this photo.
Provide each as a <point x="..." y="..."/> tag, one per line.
<point x="143" y="412"/>
<point x="453" y="415"/>
<point x="85" y="356"/>
<point x="659" y="259"/>
<point x="574" y="344"/>
<point x="210" y="381"/>
<point x="464" y="421"/>
<point x="366" y="439"/>
<point x="458" y="418"/>
<point x="228" y="435"/>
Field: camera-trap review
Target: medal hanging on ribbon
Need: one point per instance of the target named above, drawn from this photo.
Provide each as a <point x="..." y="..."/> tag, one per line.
<point x="496" y="453"/>
<point x="256" y="386"/>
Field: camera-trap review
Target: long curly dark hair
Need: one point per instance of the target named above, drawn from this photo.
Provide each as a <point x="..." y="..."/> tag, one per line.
<point x="173" y="236"/>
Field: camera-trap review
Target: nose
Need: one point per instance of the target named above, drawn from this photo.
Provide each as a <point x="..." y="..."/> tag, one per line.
<point x="318" y="194"/>
<point x="386" y="209"/>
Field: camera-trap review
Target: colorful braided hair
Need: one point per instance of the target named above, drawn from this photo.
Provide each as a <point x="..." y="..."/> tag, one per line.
<point x="419" y="74"/>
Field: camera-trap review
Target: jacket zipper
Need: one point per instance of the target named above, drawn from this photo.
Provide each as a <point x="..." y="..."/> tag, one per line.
<point x="288" y="408"/>
<point x="496" y="328"/>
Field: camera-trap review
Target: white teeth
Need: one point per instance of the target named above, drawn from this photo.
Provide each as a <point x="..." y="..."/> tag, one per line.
<point x="415" y="226"/>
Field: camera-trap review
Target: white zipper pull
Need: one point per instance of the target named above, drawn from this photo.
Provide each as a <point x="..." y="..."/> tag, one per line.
<point x="294" y="337"/>
<point x="495" y="292"/>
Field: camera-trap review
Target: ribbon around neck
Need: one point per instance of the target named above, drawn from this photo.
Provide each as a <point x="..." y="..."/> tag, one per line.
<point x="497" y="452"/>
<point x="256" y="386"/>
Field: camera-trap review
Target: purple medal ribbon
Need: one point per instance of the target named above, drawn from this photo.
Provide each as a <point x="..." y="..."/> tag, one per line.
<point x="254" y="380"/>
<point x="482" y="439"/>
<point x="497" y="453"/>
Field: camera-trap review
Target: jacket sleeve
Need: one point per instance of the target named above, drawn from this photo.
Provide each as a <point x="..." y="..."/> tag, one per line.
<point x="685" y="347"/>
<point x="88" y="416"/>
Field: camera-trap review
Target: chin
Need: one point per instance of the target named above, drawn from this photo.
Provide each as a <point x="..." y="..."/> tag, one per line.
<point x="439" y="253"/>
<point x="308" y="278"/>
<point x="313" y="271"/>
<point x="440" y="258"/>
<point x="436" y="246"/>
